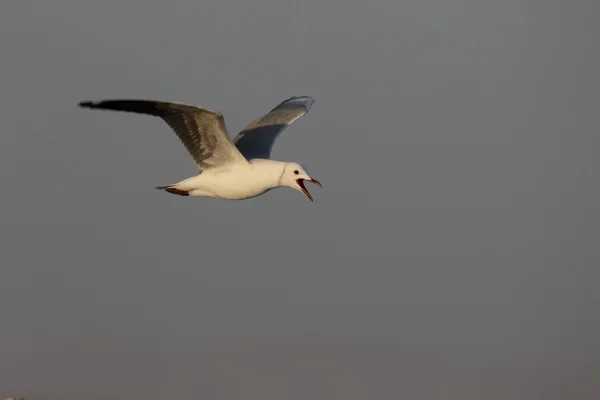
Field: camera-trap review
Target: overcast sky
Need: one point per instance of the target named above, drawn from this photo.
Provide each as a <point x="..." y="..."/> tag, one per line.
<point x="451" y="254"/>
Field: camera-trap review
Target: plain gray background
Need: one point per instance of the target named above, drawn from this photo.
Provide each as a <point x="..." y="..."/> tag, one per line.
<point x="451" y="254"/>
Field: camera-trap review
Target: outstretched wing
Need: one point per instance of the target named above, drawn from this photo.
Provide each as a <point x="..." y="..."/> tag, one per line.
<point x="202" y="131"/>
<point x="256" y="140"/>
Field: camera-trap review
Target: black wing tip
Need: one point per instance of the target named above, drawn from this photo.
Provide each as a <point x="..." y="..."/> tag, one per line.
<point x="88" y="104"/>
<point x="103" y="103"/>
<point x="111" y="103"/>
<point x="150" y="107"/>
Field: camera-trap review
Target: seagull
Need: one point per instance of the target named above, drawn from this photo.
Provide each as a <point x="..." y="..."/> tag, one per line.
<point x="236" y="169"/>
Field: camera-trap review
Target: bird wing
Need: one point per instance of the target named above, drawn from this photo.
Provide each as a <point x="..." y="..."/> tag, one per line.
<point x="202" y="131"/>
<point x="256" y="140"/>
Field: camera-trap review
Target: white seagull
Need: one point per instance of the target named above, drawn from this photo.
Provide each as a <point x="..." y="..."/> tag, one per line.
<point x="234" y="170"/>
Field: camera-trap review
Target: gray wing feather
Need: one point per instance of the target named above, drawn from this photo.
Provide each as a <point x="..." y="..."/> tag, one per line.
<point x="202" y="131"/>
<point x="256" y="140"/>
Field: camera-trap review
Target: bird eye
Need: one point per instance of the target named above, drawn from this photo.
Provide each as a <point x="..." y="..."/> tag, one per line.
<point x="296" y="172"/>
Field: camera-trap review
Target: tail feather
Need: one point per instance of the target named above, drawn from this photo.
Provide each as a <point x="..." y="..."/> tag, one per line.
<point x="171" y="189"/>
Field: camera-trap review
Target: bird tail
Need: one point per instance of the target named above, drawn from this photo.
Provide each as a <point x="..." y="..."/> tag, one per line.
<point x="173" y="190"/>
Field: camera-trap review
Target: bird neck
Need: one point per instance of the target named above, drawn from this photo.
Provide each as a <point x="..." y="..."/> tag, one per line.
<point x="272" y="170"/>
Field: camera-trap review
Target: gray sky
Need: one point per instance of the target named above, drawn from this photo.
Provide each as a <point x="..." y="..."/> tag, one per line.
<point x="451" y="254"/>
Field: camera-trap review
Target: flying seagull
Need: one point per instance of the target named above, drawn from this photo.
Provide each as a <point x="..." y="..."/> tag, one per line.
<point x="235" y="170"/>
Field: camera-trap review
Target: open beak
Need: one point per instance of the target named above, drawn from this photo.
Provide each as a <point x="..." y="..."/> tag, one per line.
<point x="300" y="183"/>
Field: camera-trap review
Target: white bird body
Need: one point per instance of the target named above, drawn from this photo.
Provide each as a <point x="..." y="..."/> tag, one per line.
<point x="237" y="181"/>
<point x="234" y="170"/>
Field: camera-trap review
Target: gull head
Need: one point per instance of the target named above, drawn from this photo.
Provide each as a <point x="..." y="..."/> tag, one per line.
<point x="294" y="176"/>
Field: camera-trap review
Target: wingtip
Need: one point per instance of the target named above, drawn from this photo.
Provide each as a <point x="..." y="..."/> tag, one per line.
<point x="306" y="101"/>
<point x="88" y="104"/>
<point x="307" y="98"/>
